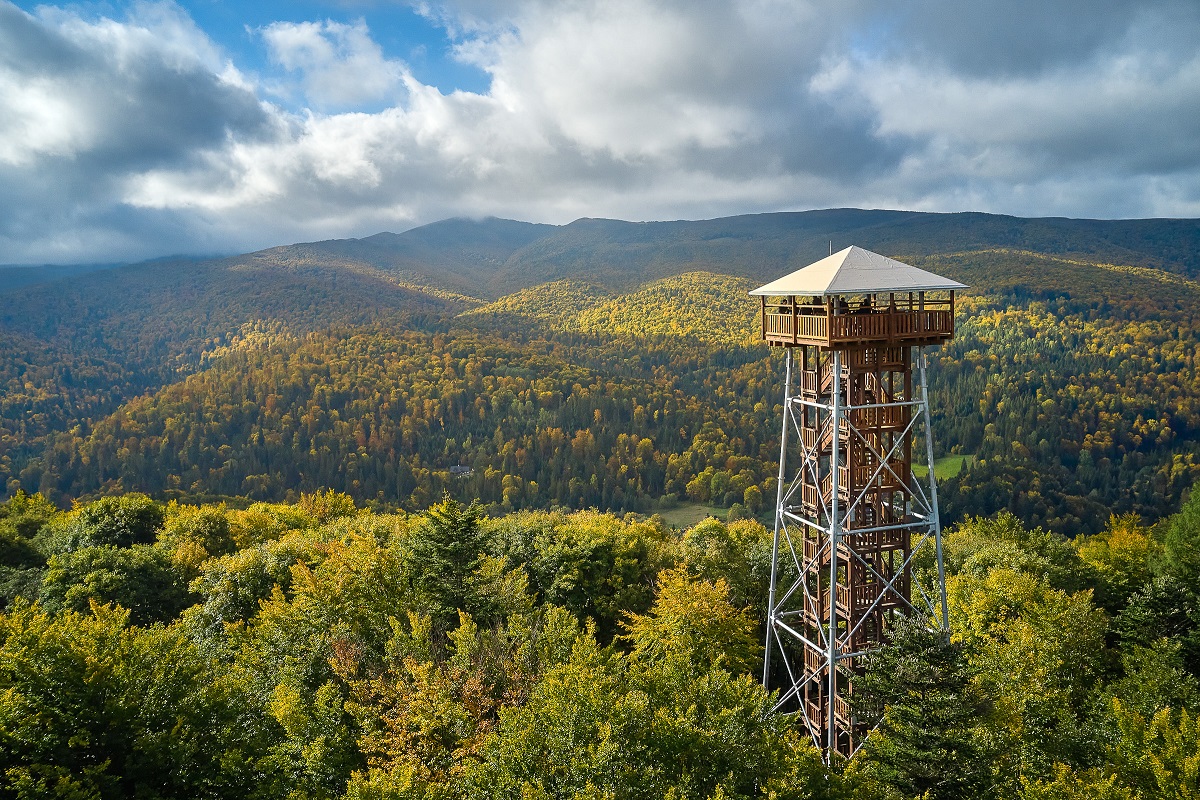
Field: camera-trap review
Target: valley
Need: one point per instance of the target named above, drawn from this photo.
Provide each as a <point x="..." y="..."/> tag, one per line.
<point x="599" y="364"/>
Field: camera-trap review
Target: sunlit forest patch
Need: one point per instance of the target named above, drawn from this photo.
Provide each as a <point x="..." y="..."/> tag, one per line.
<point x="320" y="650"/>
<point x="1071" y="382"/>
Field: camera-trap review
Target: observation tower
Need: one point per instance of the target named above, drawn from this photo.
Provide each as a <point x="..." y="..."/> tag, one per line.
<point x="849" y="512"/>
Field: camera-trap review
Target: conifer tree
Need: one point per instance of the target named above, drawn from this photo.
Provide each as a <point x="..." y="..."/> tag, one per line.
<point x="447" y="547"/>
<point x="926" y="744"/>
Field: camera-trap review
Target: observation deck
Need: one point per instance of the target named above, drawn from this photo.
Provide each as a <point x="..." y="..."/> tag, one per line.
<point x="856" y="297"/>
<point x="789" y="321"/>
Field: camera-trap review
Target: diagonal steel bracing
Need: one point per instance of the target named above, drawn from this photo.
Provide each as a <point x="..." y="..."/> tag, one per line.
<point x="850" y="517"/>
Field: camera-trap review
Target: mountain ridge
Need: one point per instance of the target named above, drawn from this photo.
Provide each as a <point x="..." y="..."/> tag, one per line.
<point x="603" y="362"/>
<point x="492" y="257"/>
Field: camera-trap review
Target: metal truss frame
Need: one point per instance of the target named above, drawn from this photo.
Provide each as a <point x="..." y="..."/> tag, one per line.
<point x="816" y="648"/>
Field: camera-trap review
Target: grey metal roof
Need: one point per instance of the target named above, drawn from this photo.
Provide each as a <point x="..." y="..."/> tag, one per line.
<point x="856" y="271"/>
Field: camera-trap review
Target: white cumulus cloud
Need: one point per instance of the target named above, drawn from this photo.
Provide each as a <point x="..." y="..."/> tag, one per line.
<point x="340" y="65"/>
<point x="138" y="136"/>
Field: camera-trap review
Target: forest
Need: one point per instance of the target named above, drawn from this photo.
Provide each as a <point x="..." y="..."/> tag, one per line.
<point x="322" y="650"/>
<point x="1070" y="391"/>
<point x="387" y="518"/>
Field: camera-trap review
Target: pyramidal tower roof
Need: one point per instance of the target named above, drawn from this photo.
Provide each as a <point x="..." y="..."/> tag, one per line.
<point x="856" y="271"/>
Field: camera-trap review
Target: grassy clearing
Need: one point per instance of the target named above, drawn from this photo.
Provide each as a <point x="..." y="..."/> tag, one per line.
<point x="944" y="467"/>
<point x="689" y="514"/>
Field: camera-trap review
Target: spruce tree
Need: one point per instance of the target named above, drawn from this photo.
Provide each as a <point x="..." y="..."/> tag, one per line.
<point x="447" y="548"/>
<point x="919" y="688"/>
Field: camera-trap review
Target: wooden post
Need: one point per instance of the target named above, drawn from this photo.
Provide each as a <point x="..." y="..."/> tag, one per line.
<point x="795" y="321"/>
<point x="763" y="298"/>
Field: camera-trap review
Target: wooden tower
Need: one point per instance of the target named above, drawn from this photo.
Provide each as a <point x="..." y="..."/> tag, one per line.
<point x="850" y="512"/>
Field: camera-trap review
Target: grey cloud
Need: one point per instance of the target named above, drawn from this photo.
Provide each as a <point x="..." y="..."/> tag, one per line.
<point x="649" y="109"/>
<point x="1015" y="37"/>
<point x="24" y="43"/>
<point x="143" y="109"/>
<point x="128" y="105"/>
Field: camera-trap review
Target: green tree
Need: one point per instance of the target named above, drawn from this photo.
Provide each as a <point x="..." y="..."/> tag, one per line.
<point x="23" y="517"/>
<point x="1068" y="784"/>
<point x="1166" y="607"/>
<point x="232" y="586"/>
<point x="662" y="722"/>
<point x="114" y="521"/>
<point x="1038" y="653"/>
<point x="94" y="708"/>
<point x="447" y="547"/>
<point x="1154" y="678"/>
<point x="1123" y="556"/>
<point x="596" y="565"/>
<point x="693" y="626"/>
<point x="928" y="743"/>
<point x="140" y="578"/>
<point x="1157" y="756"/>
<point x="979" y="545"/>
<point x="203" y="527"/>
<point x="1181" y="543"/>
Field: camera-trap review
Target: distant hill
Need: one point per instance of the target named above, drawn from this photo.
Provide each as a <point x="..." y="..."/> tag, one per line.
<point x="601" y="363"/>
<point x="459" y="255"/>
<point x="491" y="258"/>
<point x="15" y="276"/>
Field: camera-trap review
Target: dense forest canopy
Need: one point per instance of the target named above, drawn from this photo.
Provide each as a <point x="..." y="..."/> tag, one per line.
<point x="399" y="367"/>
<point x="377" y="520"/>
<point x="317" y="650"/>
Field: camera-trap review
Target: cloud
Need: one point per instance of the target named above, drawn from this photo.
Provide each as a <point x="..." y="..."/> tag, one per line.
<point x="85" y="105"/>
<point x="1100" y="120"/>
<point x="135" y="137"/>
<point x="340" y="65"/>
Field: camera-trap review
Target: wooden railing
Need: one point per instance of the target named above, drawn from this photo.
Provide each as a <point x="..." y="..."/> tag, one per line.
<point x="856" y="598"/>
<point x="882" y="417"/>
<point x="814" y="661"/>
<point x="877" y="540"/>
<point x="851" y="482"/>
<point x="885" y="326"/>
<point x="858" y="478"/>
<point x="841" y="711"/>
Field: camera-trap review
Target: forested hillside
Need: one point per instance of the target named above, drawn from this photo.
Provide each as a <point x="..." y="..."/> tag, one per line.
<point x="315" y="651"/>
<point x="376" y="519"/>
<point x="401" y="366"/>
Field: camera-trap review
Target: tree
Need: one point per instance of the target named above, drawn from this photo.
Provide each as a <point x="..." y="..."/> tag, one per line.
<point x="602" y="725"/>
<point x="114" y="521"/>
<point x="232" y="586"/>
<point x="1154" y="678"/>
<point x="327" y="505"/>
<point x="920" y="686"/>
<point x="596" y="565"/>
<point x="979" y="545"/>
<point x="1039" y="653"/>
<point x="204" y="527"/>
<point x="1166" y="607"/>
<point x="1181" y="544"/>
<point x="1123" y="557"/>
<point x="23" y="517"/>
<point x="94" y="708"/>
<point x="693" y="628"/>
<point x="1159" y="755"/>
<point x="139" y="578"/>
<point x="447" y="546"/>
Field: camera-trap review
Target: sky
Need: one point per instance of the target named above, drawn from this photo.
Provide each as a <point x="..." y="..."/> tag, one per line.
<point x="132" y="130"/>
